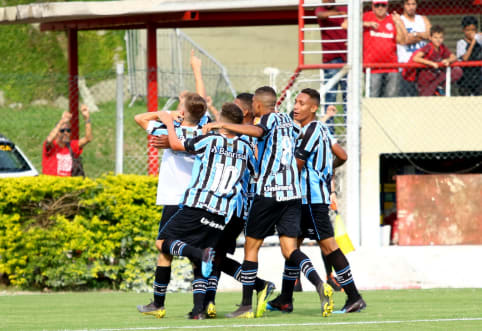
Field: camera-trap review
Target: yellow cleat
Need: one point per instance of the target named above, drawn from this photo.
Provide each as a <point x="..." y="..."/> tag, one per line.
<point x="152" y="309"/>
<point x="211" y="310"/>
<point x="263" y="297"/>
<point x="242" y="312"/>
<point x="326" y="297"/>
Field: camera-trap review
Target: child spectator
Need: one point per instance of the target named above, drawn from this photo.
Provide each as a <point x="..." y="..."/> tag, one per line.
<point x="436" y="55"/>
<point x="470" y="49"/>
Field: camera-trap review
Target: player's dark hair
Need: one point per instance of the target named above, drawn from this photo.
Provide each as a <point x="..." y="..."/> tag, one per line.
<point x="232" y="113"/>
<point x="247" y="101"/>
<point x="313" y="94"/>
<point x="469" y="20"/>
<point x="436" y="29"/>
<point x="268" y="96"/>
<point x="195" y="106"/>
<point x="405" y="1"/>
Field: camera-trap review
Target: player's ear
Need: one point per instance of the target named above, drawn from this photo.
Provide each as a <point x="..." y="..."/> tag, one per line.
<point x="314" y="108"/>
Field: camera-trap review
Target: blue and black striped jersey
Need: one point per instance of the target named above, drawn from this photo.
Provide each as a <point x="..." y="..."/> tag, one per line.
<point x="314" y="147"/>
<point x="278" y="173"/>
<point x="220" y="165"/>
<point x="246" y="197"/>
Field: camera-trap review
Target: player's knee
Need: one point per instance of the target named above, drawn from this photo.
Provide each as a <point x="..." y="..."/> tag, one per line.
<point x="159" y="245"/>
<point x="328" y="245"/>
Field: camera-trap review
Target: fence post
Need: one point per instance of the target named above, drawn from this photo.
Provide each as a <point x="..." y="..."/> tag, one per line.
<point x="448" y="82"/>
<point x="354" y="102"/>
<point x="119" y="141"/>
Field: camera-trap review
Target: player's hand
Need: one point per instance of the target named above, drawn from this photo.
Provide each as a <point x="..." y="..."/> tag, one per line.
<point x="334" y="201"/>
<point x="434" y="65"/>
<point x="161" y="142"/>
<point x="396" y="17"/>
<point x="195" y="61"/>
<point x="331" y="111"/>
<point x="85" y="111"/>
<point x="66" y="116"/>
<point x="211" y="126"/>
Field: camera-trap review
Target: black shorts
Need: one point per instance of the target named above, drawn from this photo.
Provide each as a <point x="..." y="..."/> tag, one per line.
<point x="167" y="212"/>
<point x="315" y="222"/>
<point x="195" y="227"/>
<point x="268" y="215"/>
<point x="231" y="232"/>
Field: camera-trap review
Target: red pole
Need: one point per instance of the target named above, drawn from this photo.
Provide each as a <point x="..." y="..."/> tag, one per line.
<point x="301" y="33"/>
<point x="73" y="60"/>
<point x="152" y="156"/>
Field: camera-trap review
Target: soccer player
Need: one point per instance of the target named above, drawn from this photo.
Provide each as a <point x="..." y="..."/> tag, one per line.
<point x="314" y="158"/>
<point x="233" y="229"/>
<point x="174" y="178"/>
<point x="222" y="160"/>
<point x="277" y="203"/>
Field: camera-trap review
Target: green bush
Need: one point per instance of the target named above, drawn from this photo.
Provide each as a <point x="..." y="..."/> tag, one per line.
<point x="74" y="233"/>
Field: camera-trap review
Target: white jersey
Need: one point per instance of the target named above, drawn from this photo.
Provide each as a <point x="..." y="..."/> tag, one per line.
<point x="175" y="171"/>
<point x="404" y="52"/>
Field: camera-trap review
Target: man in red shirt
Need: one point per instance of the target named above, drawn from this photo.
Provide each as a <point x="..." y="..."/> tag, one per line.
<point x="381" y="33"/>
<point x="56" y="157"/>
<point x="334" y="48"/>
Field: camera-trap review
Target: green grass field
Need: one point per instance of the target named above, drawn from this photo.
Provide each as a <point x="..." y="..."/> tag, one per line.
<point x="437" y="309"/>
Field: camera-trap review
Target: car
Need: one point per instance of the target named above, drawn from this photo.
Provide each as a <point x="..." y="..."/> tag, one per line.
<point x="13" y="163"/>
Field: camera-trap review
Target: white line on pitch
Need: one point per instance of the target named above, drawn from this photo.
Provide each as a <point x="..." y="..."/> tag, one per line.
<point x="287" y="324"/>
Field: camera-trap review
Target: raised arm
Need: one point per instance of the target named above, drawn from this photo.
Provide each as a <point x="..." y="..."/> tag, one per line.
<point x="400" y="27"/>
<point x="196" y="70"/>
<point x="66" y="116"/>
<point x="88" y="127"/>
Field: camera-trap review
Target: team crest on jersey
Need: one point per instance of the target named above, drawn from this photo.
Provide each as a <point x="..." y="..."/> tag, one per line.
<point x="389" y="26"/>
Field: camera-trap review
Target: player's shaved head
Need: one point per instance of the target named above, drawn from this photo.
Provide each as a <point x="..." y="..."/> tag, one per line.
<point x="314" y="95"/>
<point x="266" y="95"/>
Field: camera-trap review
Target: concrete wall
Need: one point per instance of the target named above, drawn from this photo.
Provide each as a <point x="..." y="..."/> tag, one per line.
<point x="431" y="124"/>
<point x="394" y="267"/>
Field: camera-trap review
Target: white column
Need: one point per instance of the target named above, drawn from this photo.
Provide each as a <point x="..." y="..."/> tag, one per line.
<point x="354" y="92"/>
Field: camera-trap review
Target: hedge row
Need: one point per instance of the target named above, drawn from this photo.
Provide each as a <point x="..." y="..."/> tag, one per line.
<point x="74" y="233"/>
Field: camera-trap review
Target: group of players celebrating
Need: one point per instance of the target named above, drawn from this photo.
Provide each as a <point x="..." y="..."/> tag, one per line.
<point x="221" y="177"/>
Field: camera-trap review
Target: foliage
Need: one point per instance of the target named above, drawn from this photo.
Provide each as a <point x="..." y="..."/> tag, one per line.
<point x="30" y="57"/>
<point x="74" y="233"/>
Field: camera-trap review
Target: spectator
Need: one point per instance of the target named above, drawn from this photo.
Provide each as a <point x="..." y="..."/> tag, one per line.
<point x="418" y="33"/>
<point x="470" y="49"/>
<point x="58" y="147"/>
<point x="334" y="49"/>
<point x="381" y="33"/>
<point x="436" y="55"/>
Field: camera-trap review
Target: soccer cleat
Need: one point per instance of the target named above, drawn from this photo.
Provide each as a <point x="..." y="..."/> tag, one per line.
<point x="263" y="297"/>
<point x="331" y="280"/>
<point x="242" y="312"/>
<point x="352" y="307"/>
<point x="211" y="310"/>
<point x="207" y="262"/>
<point x="278" y="305"/>
<point x="198" y="316"/>
<point x="326" y="297"/>
<point x="152" y="309"/>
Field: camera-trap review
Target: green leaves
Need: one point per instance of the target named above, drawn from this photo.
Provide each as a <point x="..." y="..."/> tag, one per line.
<point x="73" y="233"/>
